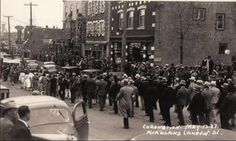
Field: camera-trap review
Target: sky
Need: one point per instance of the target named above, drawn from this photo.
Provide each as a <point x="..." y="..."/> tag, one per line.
<point x="48" y="12"/>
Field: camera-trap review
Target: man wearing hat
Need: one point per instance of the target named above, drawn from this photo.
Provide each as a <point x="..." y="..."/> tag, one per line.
<point x="208" y="94"/>
<point x="197" y="107"/>
<point x="181" y="99"/>
<point x="7" y="120"/>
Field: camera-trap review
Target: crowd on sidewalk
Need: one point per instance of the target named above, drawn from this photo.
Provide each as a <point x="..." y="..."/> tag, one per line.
<point x="206" y="90"/>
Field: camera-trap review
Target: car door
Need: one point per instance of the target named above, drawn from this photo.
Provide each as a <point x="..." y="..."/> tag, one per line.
<point x="80" y="118"/>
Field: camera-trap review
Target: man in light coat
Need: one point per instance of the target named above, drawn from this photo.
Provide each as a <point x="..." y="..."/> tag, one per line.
<point x="124" y="99"/>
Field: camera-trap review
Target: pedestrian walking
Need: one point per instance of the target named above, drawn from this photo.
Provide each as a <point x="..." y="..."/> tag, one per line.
<point x="197" y="107"/>
<point x="90" y="88"/>
<point x="181" y="101"/>
<point x="113" y="91"/>
<point x="102" y="89"/>
<point x="124" y="102"/>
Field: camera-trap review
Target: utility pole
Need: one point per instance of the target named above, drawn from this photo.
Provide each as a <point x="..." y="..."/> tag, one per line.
<point x="31" y="20"/>
<point x="9" y="36"/>
<point x="123" y="44"/>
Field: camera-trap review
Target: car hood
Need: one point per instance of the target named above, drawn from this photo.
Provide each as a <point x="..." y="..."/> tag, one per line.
<point x="55" y="129"/>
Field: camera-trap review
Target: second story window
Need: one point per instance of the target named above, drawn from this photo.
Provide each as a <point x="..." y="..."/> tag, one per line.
<point x="130" y="19"/>
<point x="199" y="14"/>
<point x="142" y="18"/>
<point x="220" y="21"/>
<point x="121" y="18"/>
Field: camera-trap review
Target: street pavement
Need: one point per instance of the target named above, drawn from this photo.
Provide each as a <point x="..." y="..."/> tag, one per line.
<point x="105" y="125"/>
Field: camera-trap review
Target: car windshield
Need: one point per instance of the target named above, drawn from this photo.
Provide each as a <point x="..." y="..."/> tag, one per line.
<point x="41" y="116"/>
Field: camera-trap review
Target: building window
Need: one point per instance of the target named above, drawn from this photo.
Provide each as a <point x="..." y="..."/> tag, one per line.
<point x="220" y="21"/>
<point x="102" y="27"/>
<point x="121" y="18"/>
<point x="89" y="31"/>
<point x="71" y="10"/>
<point x="199" y="14"/>
<point x="90" y="8"/>
<point x="102" y="6"/>
<point x="130" y="22"/>
<point x="222" y="48"/>
<point x="142" y="18"/>
<point x="96" y="7"/>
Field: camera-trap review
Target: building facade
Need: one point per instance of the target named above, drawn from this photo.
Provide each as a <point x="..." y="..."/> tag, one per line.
<point x="200" y="28"/>
<point x="38" y="42"/>
<point x="139" y="31"/>
<point x="74" y="26"/>
<point x="97" y="28"/>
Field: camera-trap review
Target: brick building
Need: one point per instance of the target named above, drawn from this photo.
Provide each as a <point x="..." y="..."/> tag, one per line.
<point x="97" y="28"/>
<point x="208" y="28"/>
<point x="139" y="31"/>
<point x="74" y="26"/>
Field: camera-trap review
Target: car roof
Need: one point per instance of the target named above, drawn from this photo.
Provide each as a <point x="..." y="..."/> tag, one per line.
<point x="92" y="70"/>
<point x="70" y="67"/>
<point x="36" y="101"/>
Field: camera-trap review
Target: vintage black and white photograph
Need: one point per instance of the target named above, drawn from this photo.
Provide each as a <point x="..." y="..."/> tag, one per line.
<point x="117" y="70"/>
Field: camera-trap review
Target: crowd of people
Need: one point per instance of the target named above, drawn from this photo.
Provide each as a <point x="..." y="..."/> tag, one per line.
<point x="206" y="90"/>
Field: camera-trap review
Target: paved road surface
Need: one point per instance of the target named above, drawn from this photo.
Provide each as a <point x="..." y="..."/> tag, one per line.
<point x="106" y="125"/>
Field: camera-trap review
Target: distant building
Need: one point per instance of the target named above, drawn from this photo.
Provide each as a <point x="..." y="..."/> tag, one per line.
<point x="74" y="26"/>
<point x="97" y="28"/>
<point x="140" y="30"/>
<point x="206" y="28"/>
<point x="40" y="39"/>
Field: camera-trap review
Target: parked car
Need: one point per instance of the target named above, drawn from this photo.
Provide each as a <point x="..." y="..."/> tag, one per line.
<point x="118" y="74"/>
<point x="50" y="68"/>
<point x="52" y="119"/>
<point x="71" y="69"/>
<point x="92" y="71"/>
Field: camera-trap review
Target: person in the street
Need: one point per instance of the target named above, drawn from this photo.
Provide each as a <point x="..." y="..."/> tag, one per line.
<point x="21" y="131"/>
<point x="124" y="102"/>
<point x="73" y="87"/>
<point x="35" y="81"/>
<point x="208" y="95"/>
<point x="227" y="109"/>
<point x="8" y="119"/>
<point x="181" y="101"/>
<point x="102" y="89"/>
<point x="82" y="86"/>
<point x="90" y="88"/>
<point x="151" y="99"/>
<point x="113" y="91"/>
<point x="62" y="85"/>
<point x="67" y="87"/>
<point x="133" y="97"/>
<point x="197" y="107"/>
<point x="53" y="85"/>
<point x="166" y="100"/>
<point x="215" y="98"/>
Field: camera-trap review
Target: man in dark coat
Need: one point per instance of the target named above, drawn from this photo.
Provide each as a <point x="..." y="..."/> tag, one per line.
<point x="197" y="107"/>
<point x="102" y="89"/>
<point x="181" y="101"/>
<point x="21" y="131"/>
<point x="73" y="87"/>
<point x="166" y="100"/>
<point x="82" y="86"/>
<point x="227" y="109"/>
<point x="62" y="84"/>
<point x="90" y="88"/>
<point x="113" y="91"/>
<point x="53" y="87"/>
<point x="151" y="100"/>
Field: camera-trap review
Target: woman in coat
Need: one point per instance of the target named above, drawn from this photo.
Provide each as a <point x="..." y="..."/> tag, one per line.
<point x="124" y="99"/>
